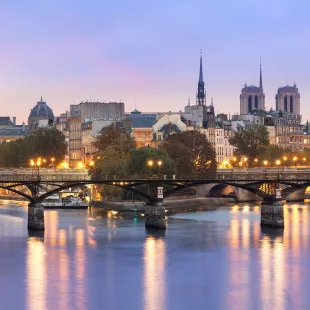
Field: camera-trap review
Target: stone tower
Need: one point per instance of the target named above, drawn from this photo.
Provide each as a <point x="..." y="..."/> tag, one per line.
<point x="252" y="97"/>
<point x="288" y="99"/>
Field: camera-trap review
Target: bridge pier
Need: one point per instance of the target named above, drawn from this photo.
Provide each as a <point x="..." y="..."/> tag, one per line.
<point x="155" y="216"/>
<point x="36" y="216"/>
<point x="272" y="214"/>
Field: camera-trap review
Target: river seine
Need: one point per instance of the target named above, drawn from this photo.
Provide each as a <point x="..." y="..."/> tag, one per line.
<point x="222" y="259"/>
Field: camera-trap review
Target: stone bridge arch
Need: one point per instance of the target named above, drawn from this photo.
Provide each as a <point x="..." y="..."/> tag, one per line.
<point x="240" y="194"/>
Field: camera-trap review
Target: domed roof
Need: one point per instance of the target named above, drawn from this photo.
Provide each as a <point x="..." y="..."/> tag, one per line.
<point x="41" y="111"/>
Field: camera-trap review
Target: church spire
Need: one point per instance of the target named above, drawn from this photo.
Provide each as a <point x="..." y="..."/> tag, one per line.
<point x="200" y="69"/>
<point x="201" y="93"/>
<point x="260" y="74"/>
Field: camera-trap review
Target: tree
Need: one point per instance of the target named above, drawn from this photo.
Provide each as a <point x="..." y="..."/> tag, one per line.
<point x="116" y="140"/>
<point x="192" y="152"/>
<point x="250" y="142"/>
<point x="114" y="145"/>
<point x="45" y="143"/>
<point x="149" y="161"/>
<point x="182" y="156"/>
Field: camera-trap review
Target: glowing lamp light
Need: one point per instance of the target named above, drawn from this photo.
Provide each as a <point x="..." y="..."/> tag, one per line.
<point x="150" y="163"/>
<point x="80" y="165"/>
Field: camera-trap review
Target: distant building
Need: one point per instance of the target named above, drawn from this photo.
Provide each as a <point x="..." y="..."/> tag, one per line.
<point x="62" y="124"/>
<point x="167" y="124"/>
<point x="98" y="110"/>
<point x="13" y="133"/>
<point x="142" y="127"/>
<point x="285" y="130"/>
<point x="41" y="115"/>
<point x="5" y="121"/>
<point x="82" y="118"/>
<point x="252" y="97"/>
<point x="223" y="149"/>
<point x="288" y="99"/>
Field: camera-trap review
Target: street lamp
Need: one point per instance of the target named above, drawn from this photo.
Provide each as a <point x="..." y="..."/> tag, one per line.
<point x="295" y="160"/>
<point x="278" y="163"/>
<point x="255" y="160"/>
<point x="150" y="163"/>
<point x="265" y="162"/>
<point x="52" y="161"/>
<point x="245" y="159"/>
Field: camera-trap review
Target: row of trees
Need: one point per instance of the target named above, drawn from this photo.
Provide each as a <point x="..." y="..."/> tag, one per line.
<point x="182" y="153"/>
<point x="44" y="143"/>
<point x="253" y="149"/>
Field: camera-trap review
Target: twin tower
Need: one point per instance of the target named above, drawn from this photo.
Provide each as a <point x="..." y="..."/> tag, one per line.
<point x="253" y="98"/>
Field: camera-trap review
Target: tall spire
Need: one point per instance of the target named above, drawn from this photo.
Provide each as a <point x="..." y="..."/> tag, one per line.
<point x="260" y="74"/>
<point x="200" y="69"/>
<point x="201" y="92"/>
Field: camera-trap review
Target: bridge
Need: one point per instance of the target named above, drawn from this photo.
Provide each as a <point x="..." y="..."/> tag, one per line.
<point x="271" y="188"/>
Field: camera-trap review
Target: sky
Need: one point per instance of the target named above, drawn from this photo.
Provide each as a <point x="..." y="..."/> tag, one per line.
<point x="146" y="53"/>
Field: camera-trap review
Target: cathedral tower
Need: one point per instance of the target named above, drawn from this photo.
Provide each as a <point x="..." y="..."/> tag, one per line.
<point x="252" y="97"/>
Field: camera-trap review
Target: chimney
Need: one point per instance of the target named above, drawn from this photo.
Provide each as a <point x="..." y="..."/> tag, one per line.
<point x="14" y="120"/>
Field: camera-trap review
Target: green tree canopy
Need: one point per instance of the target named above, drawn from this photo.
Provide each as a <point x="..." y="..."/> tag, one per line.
<point x="192" y="153"/>
<point x="45" y="143"/>
<point x="149" y="161"/>
<point x="250" y="142"/>
<point x="116" y="141"/>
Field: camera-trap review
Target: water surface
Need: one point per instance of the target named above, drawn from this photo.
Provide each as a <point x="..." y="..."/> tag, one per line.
<point x="221" y="259"/>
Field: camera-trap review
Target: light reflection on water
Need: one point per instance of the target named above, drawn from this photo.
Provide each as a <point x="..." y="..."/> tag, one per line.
<point x="219" y="259"/>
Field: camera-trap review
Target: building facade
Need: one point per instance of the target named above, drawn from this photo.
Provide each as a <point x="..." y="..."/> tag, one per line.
<point x="288" y="99"/>
<point x="142" y="127"/>
<point x="85" y="115"/>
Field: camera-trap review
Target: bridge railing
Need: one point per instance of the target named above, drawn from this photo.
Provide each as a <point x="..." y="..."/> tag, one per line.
<point x="6" y="178"/>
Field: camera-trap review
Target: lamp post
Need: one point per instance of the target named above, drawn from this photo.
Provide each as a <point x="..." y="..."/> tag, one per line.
<point x="32" y="165"/>
<point x="278" y="163"/>
<point x="265" y="162"/>
<point x="245" y="159"/>
<point x="295" y="160"/>
<point x="38" y="165"/>
<point x="35" y="164"/>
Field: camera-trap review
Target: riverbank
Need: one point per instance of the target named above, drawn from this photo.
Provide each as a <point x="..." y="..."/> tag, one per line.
<point x="172" y="206"/>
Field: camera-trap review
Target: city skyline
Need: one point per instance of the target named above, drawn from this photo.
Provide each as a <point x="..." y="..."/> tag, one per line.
<point x="71" y="54"/>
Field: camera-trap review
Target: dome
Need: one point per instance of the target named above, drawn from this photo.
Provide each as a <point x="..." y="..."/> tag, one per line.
<point x="41" y="111"/>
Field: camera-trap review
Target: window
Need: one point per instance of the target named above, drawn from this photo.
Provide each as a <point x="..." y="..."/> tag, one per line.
<point x="291" y="104"/>
<point x="285" y="104"/>
<point x="256" y="102"/>
<point x="250" y="104"/>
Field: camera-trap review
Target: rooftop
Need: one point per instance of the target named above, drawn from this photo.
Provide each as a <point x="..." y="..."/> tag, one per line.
<point x="139" y="120"/>
<point x="5" y="121"/>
